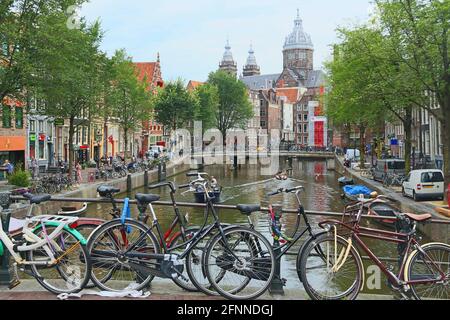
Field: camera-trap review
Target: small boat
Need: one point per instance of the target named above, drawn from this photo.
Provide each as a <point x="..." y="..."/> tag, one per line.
<point x="73" y="211"/>
<point x="352" y="192"/>
<point x="344" y="181"/>
<point x="215" y="194"/>
<point x="383" y="208"/>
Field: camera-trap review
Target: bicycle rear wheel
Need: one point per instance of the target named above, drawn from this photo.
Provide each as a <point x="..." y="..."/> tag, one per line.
<point x="240" y="264"/>
<point x="428" y="267"/>
<point x="72" y="271"/>
<point x="115" y="269"/>
<point x="317" y="273"/>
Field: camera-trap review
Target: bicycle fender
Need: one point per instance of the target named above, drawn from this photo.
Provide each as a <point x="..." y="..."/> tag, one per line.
<point x="73" y="232"/>
<point x="408" y="262"/>
<point x="1" y="249"/>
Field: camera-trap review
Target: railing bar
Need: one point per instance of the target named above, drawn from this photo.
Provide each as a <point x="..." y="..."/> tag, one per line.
<point x="221" y="206"/>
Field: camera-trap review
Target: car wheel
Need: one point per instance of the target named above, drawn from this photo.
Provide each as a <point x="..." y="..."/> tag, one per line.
<point x="415" y="196"/>
<point x="403" y="192"/>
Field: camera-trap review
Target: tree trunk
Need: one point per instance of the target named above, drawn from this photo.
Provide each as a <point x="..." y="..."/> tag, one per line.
<point x="125" y="139"/>
<point x="362" y="147"/>
<point x="71" y="144"/>
<point x="446" y="151"/>
<point x="408" y="137"/>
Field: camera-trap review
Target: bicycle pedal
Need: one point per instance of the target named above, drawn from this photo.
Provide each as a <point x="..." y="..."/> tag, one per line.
<point x="14" y="283"/>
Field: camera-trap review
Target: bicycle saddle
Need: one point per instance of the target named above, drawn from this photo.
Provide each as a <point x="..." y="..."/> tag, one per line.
<point x="105" y="191"/>
<point x="248" y="209"/>
<point x="37" y="199"/>
<point x="147" y="198"/>
<point x="418" y="217"/>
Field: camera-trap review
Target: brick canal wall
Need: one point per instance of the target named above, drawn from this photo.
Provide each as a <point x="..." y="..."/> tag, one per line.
<point x="435" y="232"/>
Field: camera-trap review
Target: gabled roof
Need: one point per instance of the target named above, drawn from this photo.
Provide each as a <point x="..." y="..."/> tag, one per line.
<point x="192" y="85"/>
<point x="291" y="94"/>
<point x="146" y="69"/>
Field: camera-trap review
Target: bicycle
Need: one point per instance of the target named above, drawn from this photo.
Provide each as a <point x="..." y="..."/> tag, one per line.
<point x="133" y="255"/>
<point x="332" y="268"/>
<point x="49" y="250"/>
<point x="393" y="180"/>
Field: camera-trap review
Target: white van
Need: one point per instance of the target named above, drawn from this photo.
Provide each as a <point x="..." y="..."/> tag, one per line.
<point x="421" y="184"/>
<point x="352" y="155"/>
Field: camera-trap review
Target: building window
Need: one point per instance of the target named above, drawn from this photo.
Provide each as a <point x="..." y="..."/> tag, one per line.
<point x="263" y="124"/>
<point x="32" y="126"/>
<point x="50" y="129"/>
<point x="305" y="107"/>
<point x="6" y="116"/>
<point x="19" y="118"/>
<point x="305" y="128"/>
<point x="41" y="126"/>
<point x="305" y="117"/>
<point x="263" y="112"/>
<point x="41" y="150"/>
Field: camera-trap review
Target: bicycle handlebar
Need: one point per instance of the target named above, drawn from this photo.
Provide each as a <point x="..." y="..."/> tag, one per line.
<point x="164" y="184"/>
<point x="283" y="190"/>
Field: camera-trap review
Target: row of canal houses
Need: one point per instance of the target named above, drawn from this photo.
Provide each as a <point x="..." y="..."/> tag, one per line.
<point x="26" y="134"/>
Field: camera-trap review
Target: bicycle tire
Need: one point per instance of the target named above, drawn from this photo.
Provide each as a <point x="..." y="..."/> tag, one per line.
<point x="68" y="283"/>
<point x="138" y="280"/>
<point x="260" y="267"/>
<point x="349" y="294"/>
<point x="413" y="265"/>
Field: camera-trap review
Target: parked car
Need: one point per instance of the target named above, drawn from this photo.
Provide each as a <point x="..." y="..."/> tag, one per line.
<point x="387" y="167"/>
<point x="421" y="184"/>
<point x="352" y="155"/>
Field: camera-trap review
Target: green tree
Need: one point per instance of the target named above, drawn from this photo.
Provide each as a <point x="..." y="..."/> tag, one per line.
<point x="235" y="109"/>
<point x="21" y="24"/>
<point x="418" y="32"/>
<point x="207" y="107"/>
<point x="174" y="105"/>
<point x="128" y="99"/>
<point x="66" y="71"/>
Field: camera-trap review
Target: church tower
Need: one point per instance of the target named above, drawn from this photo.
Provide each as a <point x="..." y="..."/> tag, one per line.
<point x="298" y="51"/>
<point x="228" y="64"/>
<point x="251" y="68"/>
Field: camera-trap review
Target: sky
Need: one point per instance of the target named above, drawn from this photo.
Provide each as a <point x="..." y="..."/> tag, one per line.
<point x="191" y="35"/>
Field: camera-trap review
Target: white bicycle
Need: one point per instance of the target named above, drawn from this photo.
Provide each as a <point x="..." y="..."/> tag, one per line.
<point x="48" y="249"/>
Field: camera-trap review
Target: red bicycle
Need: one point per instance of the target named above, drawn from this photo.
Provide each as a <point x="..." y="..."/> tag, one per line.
<point x="331" y="267"/>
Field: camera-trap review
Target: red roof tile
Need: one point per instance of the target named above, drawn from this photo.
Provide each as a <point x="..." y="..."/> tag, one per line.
<point x="291" y="94"/>
<point x="194" y="84"/>
<point x="146" y="69"/>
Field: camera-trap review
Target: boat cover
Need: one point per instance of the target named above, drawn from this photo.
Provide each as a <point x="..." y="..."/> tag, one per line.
<point x="357" y="190"/>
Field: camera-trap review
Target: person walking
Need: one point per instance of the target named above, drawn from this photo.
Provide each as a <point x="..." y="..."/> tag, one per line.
<point x="34" y="167"/>
<point x="9" y="167"/>
<point x="79" y="173"/>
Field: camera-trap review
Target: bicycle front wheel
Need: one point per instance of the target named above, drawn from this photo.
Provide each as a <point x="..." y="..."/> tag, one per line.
<point x="115" y="267"/>
<point x="72" y="270"/>
<point x="240" y="264"/>
<point x="326" y="272"/>
<point x="429" y="267"/>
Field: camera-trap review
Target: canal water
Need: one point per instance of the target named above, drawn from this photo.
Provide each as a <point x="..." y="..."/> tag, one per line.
<point x="246" y="185"/>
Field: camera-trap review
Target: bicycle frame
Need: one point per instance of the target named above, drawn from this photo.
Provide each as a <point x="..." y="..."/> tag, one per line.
<point x="357" y="232"/>
<point x="36" y="241"/>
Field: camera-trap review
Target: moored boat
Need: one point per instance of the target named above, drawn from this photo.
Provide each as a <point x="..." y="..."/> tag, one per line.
<point x="75" y="210"/>
<point x="344" y="181"/>
<point x="215" y="194"/>
<point x="352" y="192"/>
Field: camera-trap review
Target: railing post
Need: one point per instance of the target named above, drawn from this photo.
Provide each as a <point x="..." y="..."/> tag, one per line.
<point x="146" y="180"/>
<point x="276" y="287"/>
<point x="5" y="274"/>
<point x="129" y="185"/>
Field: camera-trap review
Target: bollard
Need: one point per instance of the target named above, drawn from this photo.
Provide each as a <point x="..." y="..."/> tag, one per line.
<point x="276" y="287"/>
<point x="129" y="186"/>
<point x="162" y="172"/>
<point x="146" y="181"/>
<point x="5" y="215"/>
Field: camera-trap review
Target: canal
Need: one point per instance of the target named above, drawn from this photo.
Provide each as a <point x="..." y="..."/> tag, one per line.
<point x="246" y="185"/>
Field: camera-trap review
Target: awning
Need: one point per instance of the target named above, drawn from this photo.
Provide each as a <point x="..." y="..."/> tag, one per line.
<point x="11" y="143"/>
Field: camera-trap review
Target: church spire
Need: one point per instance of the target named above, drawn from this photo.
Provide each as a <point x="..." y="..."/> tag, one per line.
<point x="251" y="68"/>
<point x="228" y="64"/>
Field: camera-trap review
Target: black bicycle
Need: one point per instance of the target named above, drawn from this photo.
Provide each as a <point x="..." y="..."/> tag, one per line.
<point x="126" y="254"/>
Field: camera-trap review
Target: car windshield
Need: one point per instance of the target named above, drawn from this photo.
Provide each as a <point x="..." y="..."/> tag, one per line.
<point x="432" y="177"/>
<point x="396" y="165"/>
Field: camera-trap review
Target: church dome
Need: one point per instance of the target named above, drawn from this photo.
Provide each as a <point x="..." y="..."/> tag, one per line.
<point x="228" y="55"/>
<point x="298" y="39"/>
<point x="251" y="60"/>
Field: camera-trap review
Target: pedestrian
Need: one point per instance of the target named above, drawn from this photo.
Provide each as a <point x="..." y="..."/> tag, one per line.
<point x="79" y="173"/>
<point x="34" y="167"/>
<point x="9" y="167"/>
